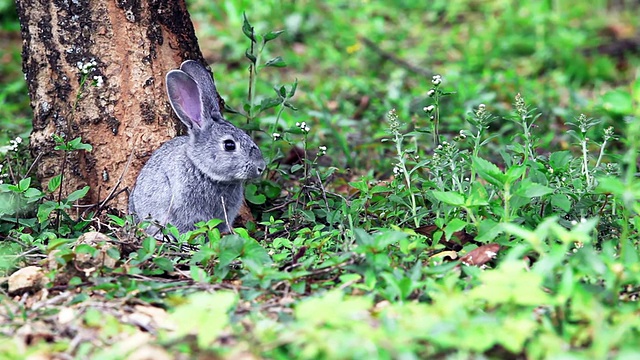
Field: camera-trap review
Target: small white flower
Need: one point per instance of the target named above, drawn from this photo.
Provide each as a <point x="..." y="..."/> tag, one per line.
<point x="432" y="117"/>
<point x="19" y="140"/>
<point x="276" y="136"/>
<point x="436" y="80"/>
<point x="306" y="128"/>
<point x="297" y="124"/>
<point x="99" y="81"/>
<point x="481" y="107"/>
<point x="429" y="108"/>
<point x="431" y="92"/>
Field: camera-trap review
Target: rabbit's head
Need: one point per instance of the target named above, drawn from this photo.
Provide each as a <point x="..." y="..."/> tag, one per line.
<point x="216" y="147"/>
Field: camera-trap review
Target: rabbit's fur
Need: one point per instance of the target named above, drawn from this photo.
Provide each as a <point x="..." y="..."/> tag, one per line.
<point x="200" y="176"/>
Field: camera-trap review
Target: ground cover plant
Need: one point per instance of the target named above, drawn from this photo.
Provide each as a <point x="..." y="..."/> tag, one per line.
<point x="449" y="179"/>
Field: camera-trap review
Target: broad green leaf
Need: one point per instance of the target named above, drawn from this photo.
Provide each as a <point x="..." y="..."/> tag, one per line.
<point x="268" y="103"/>
<point x="164" y="264"/>
<point x="44" y="210"/>
<point x="230" y="249"/>
<point x="511" y="284"/>
<point x="54" y="183"/>
<point x="204" y="316"/>
<point x="449" y="197"/>
<point x="610" y="185"/>
<point x="255" y="252"/>
<point x="618" y="102"/>
<point x="515" y="172"/>
<point x="560" y="160"/>
<point x="561" y="201"/>
<point x="250" y="193"/>
<point x="477" y="196"/>
<point x="24" y="184"/>
<point x="85" y="249"/>
<point x="332" y="309"/>
<point x="454" y="226"/>
<point x="489" y="172"/>
<point x="363" y="238"/>
<point x="530" y="189"/>
<point x="78" y="194"/>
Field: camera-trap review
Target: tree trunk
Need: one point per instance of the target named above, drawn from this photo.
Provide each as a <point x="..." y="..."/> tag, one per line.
<point x="118" y="104"/>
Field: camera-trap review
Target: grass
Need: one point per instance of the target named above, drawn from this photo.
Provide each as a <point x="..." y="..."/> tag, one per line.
<point x="489" y="211"/>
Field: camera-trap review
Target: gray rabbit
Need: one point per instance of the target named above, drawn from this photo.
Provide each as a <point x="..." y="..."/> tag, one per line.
<point x="200" y="176"/>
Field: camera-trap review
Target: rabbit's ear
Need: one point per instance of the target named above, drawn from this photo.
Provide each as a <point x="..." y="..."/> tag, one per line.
<point x="185" y="98"/>
<point x="207" y="87"/>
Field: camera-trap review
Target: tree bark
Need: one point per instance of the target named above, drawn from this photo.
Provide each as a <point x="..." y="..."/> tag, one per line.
<point x="119" y="106"/>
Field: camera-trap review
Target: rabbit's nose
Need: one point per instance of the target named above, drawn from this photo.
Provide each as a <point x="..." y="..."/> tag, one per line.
<point x="260" y="168"/>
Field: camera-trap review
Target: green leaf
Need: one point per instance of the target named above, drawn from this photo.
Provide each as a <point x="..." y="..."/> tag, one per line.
<point x="293" y="88"/>
<point x="561" y="201"/>
<point x="250" y="193"/>
<point x="610" y="185"/>
<point x="247" y="29"/>
<point x="54" y="183"/>
<point x="290" y="106"/>
<point x="454" y="226"/>
<point x="617" y="102"/>
<point x="230" y="248"/>
<point x="512" y="284"/>
<point x="149" y="245"/>
<point x="44" y="210"/>
<point x="332" y="310"/>
<point x="271" y="35"/>
<point x="164" y="264"/>
<point x="24" y="184"/>
<point x="251" y="58"/>
<point x="253" y="251"/>
<point x="271" y="189"/>
<point x="530" y="189"/>
<point x="78" y="194"/>
<point x="276" y="62"/>
<point x="33" y="194"/>
<point x="361" y="185"/>
<point x="449" y="197"/>
<point x="560" y="160"/>
<point x="85" y="249"/>
<point x="515" y="172"/>
<point x="268" y="103"/>
<point x="477" y="196"/>
<point x="363" y="238"/>
<point x="489" y="172"/>
<point x="204" y="315"/>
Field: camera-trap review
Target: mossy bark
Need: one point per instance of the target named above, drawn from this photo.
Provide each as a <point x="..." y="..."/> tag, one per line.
<point x="132" y="44"/>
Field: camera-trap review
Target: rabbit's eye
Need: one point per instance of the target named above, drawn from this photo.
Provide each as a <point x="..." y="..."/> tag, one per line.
<point x="229" y="145"/>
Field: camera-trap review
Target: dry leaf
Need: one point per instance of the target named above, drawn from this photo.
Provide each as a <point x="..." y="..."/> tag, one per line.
<point x="481" y="255"/>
